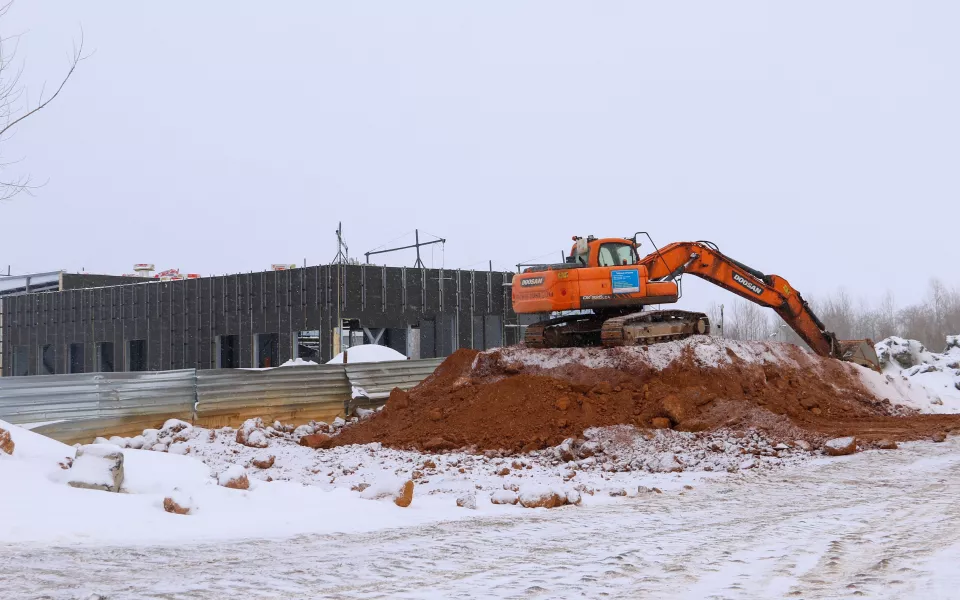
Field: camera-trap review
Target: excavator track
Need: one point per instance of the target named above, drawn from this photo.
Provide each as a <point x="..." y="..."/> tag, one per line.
<point x="627" y="330"/>
<point x="569" y="331"/>
<point x="653" y="327"/>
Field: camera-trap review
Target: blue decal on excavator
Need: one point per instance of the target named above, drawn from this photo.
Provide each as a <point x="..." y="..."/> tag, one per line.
<point x="625" y="281"/>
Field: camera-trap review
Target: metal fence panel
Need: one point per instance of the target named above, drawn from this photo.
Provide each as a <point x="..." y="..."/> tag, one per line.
<point x="378" y="379"/>
<point x="97" y="395"/>
<point x="233" y="389"/>
<point x="48" y="398"/>
<point x="147" y="393"/>
<point x="190" y="394"/>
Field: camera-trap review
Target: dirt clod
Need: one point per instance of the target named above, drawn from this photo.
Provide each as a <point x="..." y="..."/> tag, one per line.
<point x="264" y="463"/>
<point x="6" y="442"/>
<point x="406" y="495"/>
<point x="238" y="483"/>
<point x="315" y="441"/>
<point x="171" y="506"/>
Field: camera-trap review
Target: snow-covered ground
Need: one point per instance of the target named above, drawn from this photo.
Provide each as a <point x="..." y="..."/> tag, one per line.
<point x="925" y="380"/>
<point x="296" y="489"/>
<point x="877" y="524"/>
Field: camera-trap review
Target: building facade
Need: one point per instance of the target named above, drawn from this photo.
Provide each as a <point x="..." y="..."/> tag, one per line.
<point x="255" y="319"/>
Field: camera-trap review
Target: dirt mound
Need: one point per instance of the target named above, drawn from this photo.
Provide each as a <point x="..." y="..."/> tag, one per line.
<point x="519" y="399"/>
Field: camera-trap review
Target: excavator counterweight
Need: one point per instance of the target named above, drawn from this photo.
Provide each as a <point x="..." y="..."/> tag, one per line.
<point x="603" y="287"/>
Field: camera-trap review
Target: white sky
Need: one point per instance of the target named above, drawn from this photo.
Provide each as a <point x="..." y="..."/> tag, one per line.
<point x="818" y="140"/>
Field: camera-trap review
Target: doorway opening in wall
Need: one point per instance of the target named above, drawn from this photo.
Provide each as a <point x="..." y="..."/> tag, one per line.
<point x="137" y="355"/>
<point x="228" y="355"/>
<point x="48" y="360"/>
<point x="76" y="358"/>
<point x="351" y="334"/>
<point x="268" y="350"/>
<point x="105" y="357"/>
<point x="413" y="342"/>
<point x="307" y="345"/>
<point x="21" y="361"/>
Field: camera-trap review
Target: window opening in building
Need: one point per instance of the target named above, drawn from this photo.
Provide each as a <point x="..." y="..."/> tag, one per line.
<point x="76" y="358"/>
<point x="268" y="350"/>
<point x="105" y="357"/>
<point x="21" y="358"/>
<point x="137" y="355"/>
<point x="229" y="352"/>
<point x="308" y="345"/>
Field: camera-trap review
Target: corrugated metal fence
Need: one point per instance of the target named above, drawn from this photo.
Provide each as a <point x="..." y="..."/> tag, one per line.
<point x="378" y="379"/>
<point x="225" y="396"/>
<point x="93" y="404"/>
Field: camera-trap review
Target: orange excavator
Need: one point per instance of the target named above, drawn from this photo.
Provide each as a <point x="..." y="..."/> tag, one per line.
<point x="604" y="286"/>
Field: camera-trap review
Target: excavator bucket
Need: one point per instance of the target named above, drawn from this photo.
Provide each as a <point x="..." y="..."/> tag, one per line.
<point x="861" y="352"/>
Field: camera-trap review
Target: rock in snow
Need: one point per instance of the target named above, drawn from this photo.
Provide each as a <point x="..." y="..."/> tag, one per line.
<point x="171" y="506"/>
<point x="504" y="497"/>
<point x="264" y="463"/>
<point x="252" y="434"/>
<point x="6" y="442"/>
<point x="841" y="446"/>
<point x="468" y="500"/>
<point x="399" y="490"/>
<point x="97" y="467"/>
<point x="235" y="478"/>
<point x="544" y="496"/>
<point x="315" y="440"/>
<point x="405" y="497"/>
<point x="887" y="445"/>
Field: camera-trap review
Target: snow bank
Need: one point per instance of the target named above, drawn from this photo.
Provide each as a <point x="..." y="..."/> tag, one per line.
<point x="916" y="377"/>
<point x="306" y="491"/>
<point x="33" y="446"/>
<point x="38" y="507"/>
<point x="367" y="353"/>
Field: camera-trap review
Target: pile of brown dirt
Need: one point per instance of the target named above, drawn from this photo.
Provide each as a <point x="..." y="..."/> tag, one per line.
<point x="519" y="399"/>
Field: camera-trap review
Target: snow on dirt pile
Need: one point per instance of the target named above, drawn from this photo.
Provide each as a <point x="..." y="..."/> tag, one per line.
<point x="929" y="380"/>
<point x="521" y="400"/>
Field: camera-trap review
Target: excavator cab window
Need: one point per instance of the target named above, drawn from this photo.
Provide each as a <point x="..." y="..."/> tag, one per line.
<point x="615" y="255"/>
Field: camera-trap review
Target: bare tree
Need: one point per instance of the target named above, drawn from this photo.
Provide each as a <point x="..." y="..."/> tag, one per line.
<point x="929" y="321"/>
<point x="14" y="103"/>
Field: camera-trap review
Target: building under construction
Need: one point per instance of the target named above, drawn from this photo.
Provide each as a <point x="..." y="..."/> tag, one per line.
<point x="253" y="320"/>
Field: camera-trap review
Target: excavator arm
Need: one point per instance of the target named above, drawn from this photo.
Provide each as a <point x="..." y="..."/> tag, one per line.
<point x="704" y="260"/>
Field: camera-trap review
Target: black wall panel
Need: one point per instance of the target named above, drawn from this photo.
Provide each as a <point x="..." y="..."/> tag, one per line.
<point x="180" y="320"/>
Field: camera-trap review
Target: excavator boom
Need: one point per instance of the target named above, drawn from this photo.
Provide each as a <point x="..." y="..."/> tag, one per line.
<point x="704" y="260"/>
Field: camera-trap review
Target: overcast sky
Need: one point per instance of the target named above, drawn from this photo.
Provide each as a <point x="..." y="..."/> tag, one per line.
<point x="817" y="140"/>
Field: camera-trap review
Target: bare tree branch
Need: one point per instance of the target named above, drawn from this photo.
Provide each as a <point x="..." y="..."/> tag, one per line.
<point x="14" y="101"/>
<point x="77" y="57"/>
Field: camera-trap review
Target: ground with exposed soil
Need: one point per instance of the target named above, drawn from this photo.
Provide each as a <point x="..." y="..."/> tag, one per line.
<point x="520" y="400"/>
